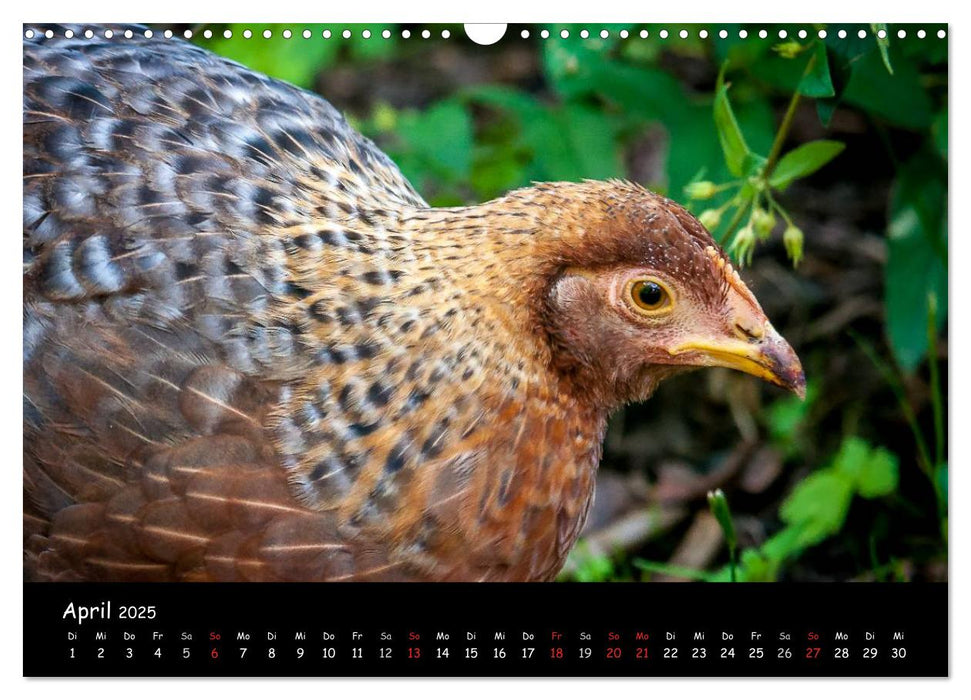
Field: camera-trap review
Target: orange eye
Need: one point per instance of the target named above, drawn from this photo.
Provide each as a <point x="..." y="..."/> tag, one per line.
<point x="649" y="295"/>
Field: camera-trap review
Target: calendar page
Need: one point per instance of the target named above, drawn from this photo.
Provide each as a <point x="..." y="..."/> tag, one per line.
<point x="485" y="350"/>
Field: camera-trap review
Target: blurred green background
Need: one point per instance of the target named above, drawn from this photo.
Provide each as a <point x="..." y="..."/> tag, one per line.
<point x="826" y="152"/>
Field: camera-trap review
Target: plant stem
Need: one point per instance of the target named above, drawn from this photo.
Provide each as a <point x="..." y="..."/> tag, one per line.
<point x="736" y="220"/>
<point x="783" y="131"/>
<point x="924" y="457"/>
<point x="936" y="401"/>
<point x="774" y="152"/>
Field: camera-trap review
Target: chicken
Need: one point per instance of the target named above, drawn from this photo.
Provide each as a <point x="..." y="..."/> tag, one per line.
<point x="253" y="352"/>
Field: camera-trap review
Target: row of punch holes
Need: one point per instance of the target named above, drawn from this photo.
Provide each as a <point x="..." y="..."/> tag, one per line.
<point x="445" y="33"/>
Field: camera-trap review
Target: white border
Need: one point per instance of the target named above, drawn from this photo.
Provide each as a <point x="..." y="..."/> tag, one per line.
<point x="493" y="11"/>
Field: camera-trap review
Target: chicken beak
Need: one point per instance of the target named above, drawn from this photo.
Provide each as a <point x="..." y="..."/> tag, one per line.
<point x="769" y="357"/>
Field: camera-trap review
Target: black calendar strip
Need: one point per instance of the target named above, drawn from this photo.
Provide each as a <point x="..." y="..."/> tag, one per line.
<point x="485" y="630"/>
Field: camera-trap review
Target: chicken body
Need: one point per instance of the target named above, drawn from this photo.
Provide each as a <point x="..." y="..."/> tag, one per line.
<point x="253" y="352"/>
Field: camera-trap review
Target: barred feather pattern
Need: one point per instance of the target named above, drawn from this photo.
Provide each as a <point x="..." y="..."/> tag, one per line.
<point x="252" y="352"/>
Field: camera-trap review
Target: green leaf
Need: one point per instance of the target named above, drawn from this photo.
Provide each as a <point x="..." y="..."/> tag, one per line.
<point x="939" y="131"/>
<point x="376" y="47"/>
<point x="842" y="56"/>
<point x="295" y="60"/>
<point x="901" y="99"/>
<point x="729" y="134"/>
<point x="818" y="506"/>
<point x="851" y="458"/>
<point x="719" y="508"/>
<point x="590" y="135"/>
<point x="786" y="416"/>
<point x="880" y="474"/>
<point x="818" y="82"/>
<point x="572" y="143"/>
<point x="803" y="161"/>
<point x="873" y="471"/>
<point x="437" y="141"/>
<point x="917" y="256"/>
<point x="657" y="567"/>
<point x="941" y="478"/>
<point x="883" y="44"/>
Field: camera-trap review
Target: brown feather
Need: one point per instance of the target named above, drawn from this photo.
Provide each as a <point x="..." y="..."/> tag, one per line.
<point x="252" y="352"/>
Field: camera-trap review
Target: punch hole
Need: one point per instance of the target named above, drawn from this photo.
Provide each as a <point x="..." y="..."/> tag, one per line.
<point x="485" y="34"/>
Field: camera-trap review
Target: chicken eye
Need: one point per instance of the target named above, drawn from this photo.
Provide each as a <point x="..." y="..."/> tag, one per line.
<point x="649" y="295"/>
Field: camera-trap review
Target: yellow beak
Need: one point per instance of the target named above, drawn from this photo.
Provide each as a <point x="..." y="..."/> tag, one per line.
<point x="769" y="357"/>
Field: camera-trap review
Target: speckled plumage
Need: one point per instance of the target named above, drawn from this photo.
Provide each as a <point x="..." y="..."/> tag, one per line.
<point x="252" y="352"/>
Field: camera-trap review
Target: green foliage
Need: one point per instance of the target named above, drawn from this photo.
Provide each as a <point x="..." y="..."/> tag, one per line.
<point x="818" y="506"/>
<point x="917" y="255"/>
<point x="589" y="567"/>
<point x="803" y="161"/>
<point x="719" y="508"/>
<point x="737" y="153"/>
<point x="296" y="60"/>
<point x="785" y="420"/>
<point x="293" y="60"/>
<point x="759" y="176"/>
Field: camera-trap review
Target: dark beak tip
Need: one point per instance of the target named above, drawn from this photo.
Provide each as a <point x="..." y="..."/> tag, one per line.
<point x="793" y="379"/>
<point x="799" y="387"/>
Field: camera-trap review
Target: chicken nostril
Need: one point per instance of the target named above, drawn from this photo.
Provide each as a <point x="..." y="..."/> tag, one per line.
<point x="750" y="334"/>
